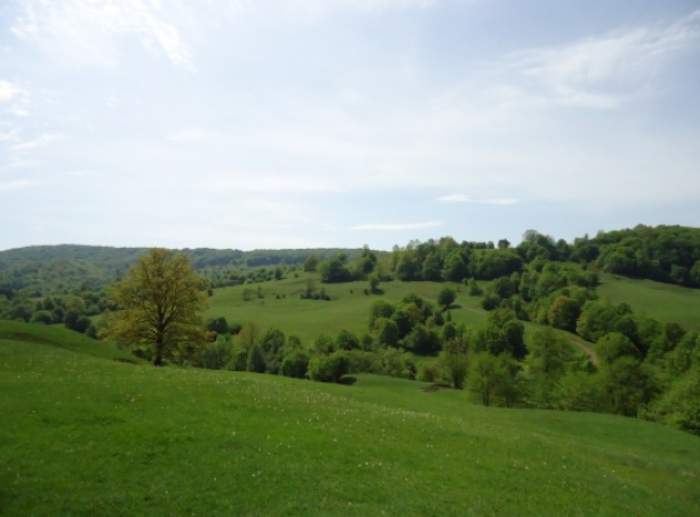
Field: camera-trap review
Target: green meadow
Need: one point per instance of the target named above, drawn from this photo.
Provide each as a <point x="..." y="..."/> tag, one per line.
<point x="86" y="433"/>
<point x="349" y="307"/>
<point x="665" y="302"/>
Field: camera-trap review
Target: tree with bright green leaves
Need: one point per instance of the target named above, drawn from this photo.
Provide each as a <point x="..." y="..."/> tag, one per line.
<point x="546" y="361"/>
<point x="160" y="301"/>
<point x="311" y="263"/>
<point x="563" y="313"/>
<point x="446" y="297"/>
<point x="494" y="379"/>
<point x="454" y="362"/>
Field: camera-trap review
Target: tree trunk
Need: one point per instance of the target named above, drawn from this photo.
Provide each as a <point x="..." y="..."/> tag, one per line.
<point x="158" y="354"/>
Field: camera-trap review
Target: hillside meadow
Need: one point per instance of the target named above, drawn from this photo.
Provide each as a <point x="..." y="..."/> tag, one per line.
<point x="662" y="301"/>
<point x="349" y="307"/>
<point x="84" y="434"/>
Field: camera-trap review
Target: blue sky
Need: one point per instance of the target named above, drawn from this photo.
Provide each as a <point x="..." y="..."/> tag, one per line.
<point x="302" y="123"/>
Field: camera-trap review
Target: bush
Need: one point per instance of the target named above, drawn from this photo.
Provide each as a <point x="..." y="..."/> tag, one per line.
<point x="494" y="379"/>
<point x="218" y="325"/>
<point x="680" y="405"/>
<point x="346" y="340"/>
<point x="446" y="297"/>
<point x="216" y="355"/>
<point x="395" y="363"/>
<point x="329" y="368"/>
<point x="295" y="364"/>
<point x="430" y="372"/>
<point x="256" y="360"/>
<point x="453" y="360"/>
<point x="44" y="317"/>
<point x="578" y="391"/>
<point x="386" y="332"/>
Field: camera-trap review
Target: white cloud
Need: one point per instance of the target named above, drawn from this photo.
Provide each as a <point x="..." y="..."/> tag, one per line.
<point x="396" y="227"/>
<point x="600" y="72"/>
<point x="36" y="143"/>
<point x="16" y="185"/>
<point x="9" y="91"/>
<point x="93" y="32"/>
<point x="462" y="198"/>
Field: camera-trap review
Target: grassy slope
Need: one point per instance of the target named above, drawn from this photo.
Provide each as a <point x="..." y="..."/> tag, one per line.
<point x="348" y="310"/>
<point x="59" y="336"/>
<point x="86" y="435"/>
<point x="665" y="302"/>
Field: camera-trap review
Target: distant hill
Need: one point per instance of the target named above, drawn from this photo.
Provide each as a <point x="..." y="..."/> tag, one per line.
<point x="65" y="267"/>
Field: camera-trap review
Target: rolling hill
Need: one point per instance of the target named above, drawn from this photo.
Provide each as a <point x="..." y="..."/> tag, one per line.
<point x="664" y="302"/>
<point x="86" y="434"/>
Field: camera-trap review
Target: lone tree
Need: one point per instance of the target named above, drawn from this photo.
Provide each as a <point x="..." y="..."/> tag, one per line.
<point x="160" y="298"/>
<point x="446" y="298"/>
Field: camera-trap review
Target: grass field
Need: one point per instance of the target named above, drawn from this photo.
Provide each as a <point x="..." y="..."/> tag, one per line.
<point x="665" y="302"/>
<point x="348" y="309"/>
<point x="88" y="435"/>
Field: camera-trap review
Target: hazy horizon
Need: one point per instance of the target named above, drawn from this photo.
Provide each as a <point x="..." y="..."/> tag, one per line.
<point x="337" y="123"/>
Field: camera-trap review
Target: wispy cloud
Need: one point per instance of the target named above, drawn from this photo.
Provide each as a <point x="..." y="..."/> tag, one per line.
<point x="396" y="227"/>
<point x="463" y="198"/>
<point x="89" y="32"/>
<point x="601" y="71"/>
<point x="9" y="91"/>
<point x="16" y="184"/>
<point x="38" y="142"/>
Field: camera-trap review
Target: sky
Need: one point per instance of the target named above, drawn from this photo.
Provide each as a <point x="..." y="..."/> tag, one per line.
<point x="320" y="123"/>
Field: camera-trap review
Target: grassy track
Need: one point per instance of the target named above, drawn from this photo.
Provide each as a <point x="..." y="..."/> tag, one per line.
<point x="88" y="435"/>
<point x="665" y="302"/>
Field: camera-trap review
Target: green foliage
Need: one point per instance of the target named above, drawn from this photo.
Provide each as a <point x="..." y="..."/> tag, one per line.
<point x="474" y="289"/>
<point x="329" y="368"/>
<point x="446" y="297"/>
<point x="311" y="263"/>
<point x="453" y="360"/>
<point x="546" y="363"/>
<point x="160" y="301"/>
<point x="218" y="325"/>
<point x="680" y="405"/>
<point x="494" y="379"/>
<point x="255" y="361"/>
<point x="422" y="341"/>
<point x="563" y="313"/>
<point x="503" y="333"/>
<point x="386" y="332"/>
<point x="346" y="340"/>
<point x="626" y="385"/>
<point x="335" y="270"/>
<point x="613" y="346"/>
<point x="44" y="317"/>
<point x="295" y="364"/>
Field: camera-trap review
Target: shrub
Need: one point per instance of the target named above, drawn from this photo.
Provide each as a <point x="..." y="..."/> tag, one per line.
<point x="453" y="360"/>
<point x="256" y="360"/>
<point x="329" y="368"/>
<point x="680" y="405"/>
<point x="387" y="332"/>
<point x="430" y="372"/>
<point x="216" y="355"/>
<point x="218" y="325"/>
<point x="446" y="297"/>
<point x="346" y="340"/>
<point x="494" y="379"/>
<point x="44" y="317"/>
<point x="295" y="364"/>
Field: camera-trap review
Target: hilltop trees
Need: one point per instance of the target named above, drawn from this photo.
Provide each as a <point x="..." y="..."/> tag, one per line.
<point x="160" y="301"/>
